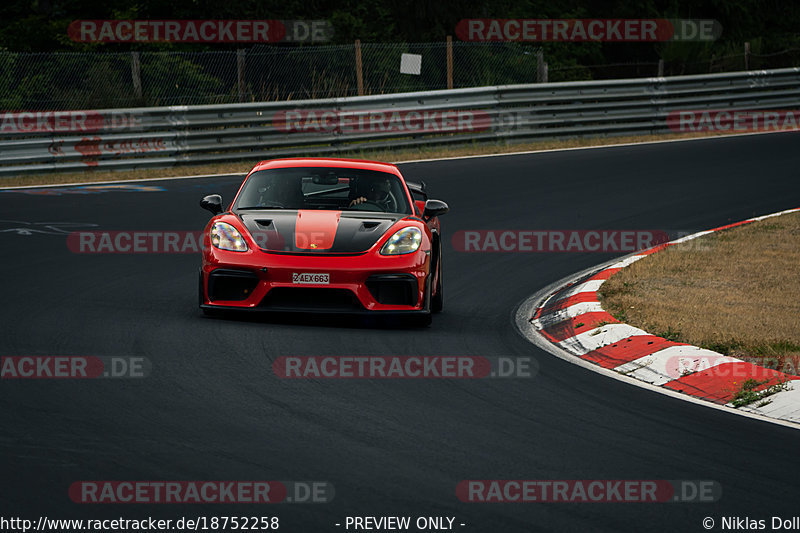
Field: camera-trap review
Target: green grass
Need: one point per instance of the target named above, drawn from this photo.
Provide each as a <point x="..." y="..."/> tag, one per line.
<point x="747" y="393"/>
<point x="670" y="334"/>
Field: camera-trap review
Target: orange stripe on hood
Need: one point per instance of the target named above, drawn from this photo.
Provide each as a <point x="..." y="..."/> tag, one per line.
<point x="315" y="230"/>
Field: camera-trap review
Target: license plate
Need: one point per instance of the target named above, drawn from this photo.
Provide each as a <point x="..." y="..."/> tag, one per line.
<point x="308" y="278"/>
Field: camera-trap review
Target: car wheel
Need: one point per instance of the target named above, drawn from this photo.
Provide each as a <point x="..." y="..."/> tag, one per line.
<point x="437" y="301"/>
<point x="425" y="320"/>
<point x="200" y="290"/>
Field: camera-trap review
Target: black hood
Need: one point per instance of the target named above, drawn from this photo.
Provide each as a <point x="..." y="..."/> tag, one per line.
<point x="315" y="231"/>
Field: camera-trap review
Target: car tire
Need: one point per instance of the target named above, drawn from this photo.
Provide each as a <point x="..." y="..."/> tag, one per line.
<point x="437" y="300"/>
<point x="200" y="294"/>
<point x="425" y="320"/>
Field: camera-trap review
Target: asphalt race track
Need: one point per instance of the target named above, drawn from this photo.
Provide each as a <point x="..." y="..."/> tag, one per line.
<point x="212" y="409"/>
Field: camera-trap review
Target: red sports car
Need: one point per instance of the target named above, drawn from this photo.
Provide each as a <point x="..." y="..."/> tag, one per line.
<point x="324" y="235"/>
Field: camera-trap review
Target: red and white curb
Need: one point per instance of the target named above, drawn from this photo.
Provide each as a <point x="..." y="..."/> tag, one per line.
<point x="573" y="322"/>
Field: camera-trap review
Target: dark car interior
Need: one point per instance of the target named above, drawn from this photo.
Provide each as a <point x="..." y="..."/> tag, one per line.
<point x="324" y="188"/>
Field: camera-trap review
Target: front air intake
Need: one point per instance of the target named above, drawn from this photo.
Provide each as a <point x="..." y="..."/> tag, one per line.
<point x="231" y="285"/>
<point x="394" y="289"/>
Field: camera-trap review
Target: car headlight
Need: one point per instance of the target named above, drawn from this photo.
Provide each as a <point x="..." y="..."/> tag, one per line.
<point x="404" y="241"/>
<point x="226" y="237"/>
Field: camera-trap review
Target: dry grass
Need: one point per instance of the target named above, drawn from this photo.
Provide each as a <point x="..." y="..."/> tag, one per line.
<point x="396" y="156"/>
<point x="735" y="292"/>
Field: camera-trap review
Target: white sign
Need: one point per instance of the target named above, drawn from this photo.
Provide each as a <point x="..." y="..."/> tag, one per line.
<point x="410" y="64"/>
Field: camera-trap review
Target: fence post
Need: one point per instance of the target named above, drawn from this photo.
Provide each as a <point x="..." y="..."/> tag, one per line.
<point x="545" y="72"/>
<point x="541" y="75"/>
<point x="136" y="75"/>
<point x="747" y="56"/>
<point x="449" y="61"/>
<point x="660" y="68"/>
<point x="359" y="71"/>
<point x="240" y="73"/>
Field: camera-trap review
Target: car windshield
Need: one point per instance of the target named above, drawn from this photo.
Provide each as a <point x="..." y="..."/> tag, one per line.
<point x="324" y="188"/>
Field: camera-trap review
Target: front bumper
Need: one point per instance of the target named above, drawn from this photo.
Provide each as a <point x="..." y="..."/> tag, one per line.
<point x="364" y="283"/>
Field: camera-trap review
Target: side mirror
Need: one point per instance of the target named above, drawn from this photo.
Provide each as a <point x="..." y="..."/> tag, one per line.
<point x="435" y="208"/>
<point x="213" y="203"/>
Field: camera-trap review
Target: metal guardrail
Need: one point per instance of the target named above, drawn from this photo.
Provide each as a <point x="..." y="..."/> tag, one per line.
<point x="34" y="142"/>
